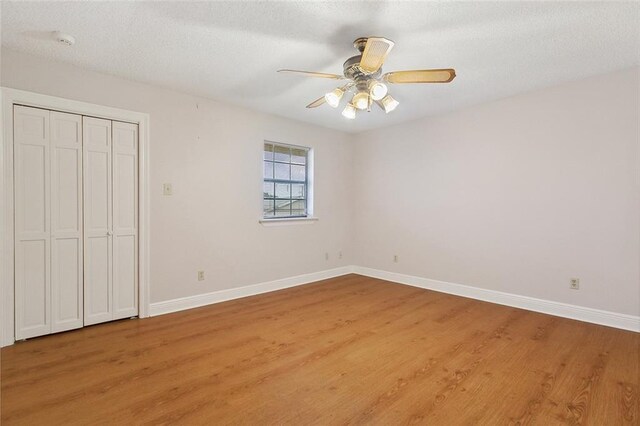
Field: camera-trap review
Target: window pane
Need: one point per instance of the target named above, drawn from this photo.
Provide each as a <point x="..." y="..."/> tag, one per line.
<point x="282" y="153"/>
<point x="267" y="191"/>
<point x="282" y="171"/>
<point x="286" y="164"/>
<point x="297" y="190"/>
<point x="268" y="170"/>
<point x="298" y="208"/>
<point x="298" y="172"/>
<point x="283" y="190"/>
<point x="283" y="208"/>
<point x="298" y="155"/>
<point x="268" y="151"/>
<point x="267" y="207"/>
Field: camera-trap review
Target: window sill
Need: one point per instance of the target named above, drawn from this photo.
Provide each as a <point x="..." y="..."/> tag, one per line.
<point x="288" y="221"/>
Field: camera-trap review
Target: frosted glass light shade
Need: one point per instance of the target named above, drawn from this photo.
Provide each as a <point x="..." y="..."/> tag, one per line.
<point x="361" y="100"/>
<point x="389" y="104"/>
<point x="377" y="90"/>
<point x="349" y="111"/>
<point x="333" y="97"/>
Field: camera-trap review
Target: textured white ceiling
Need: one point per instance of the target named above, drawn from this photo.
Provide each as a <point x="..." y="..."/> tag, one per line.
<point x="230" y="51"/>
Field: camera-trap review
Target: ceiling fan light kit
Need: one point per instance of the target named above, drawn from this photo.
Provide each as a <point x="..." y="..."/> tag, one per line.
<point x="333" y="97"/>
<point x="377" y="90"/>
<point x="364" y="72"/>
<point x="361" y="100"/>
<point x="389" y="104"/>
<point x="349" y="111"/>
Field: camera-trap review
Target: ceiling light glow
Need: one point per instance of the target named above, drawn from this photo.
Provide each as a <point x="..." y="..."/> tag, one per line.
<point x="377" y="90"/>
<point x="389" y="104"/>
<point x="333" y="97"/>
<point x="361" y="100"/>
<point x="349" y="111"/>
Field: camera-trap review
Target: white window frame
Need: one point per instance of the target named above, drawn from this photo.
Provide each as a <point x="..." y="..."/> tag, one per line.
<point x="309" y="218"/>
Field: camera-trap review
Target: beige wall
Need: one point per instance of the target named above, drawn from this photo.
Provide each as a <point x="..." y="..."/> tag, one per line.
<point x="518" y="195"/>
<point x="212" y="154"/>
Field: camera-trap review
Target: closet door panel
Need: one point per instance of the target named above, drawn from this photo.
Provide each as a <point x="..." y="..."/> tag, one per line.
<point x="125" y="219"/>
<point x="32" y="216"/>
<point x="98" y="185"/>
<point x="33" y="183"/>
<point x="66" y="222"/>
<point x="66" y="284"/>
<point x="32" y="291"/>
<point x="125" y="277"/>
<point x="98" y="278"/>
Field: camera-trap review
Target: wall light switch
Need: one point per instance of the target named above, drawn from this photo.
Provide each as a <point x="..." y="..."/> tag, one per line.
<point x="200" y="275"/>
<point x="167" y="189"/>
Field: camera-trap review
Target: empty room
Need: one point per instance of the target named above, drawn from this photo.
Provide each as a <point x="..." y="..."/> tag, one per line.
<point x="319" y="213"/>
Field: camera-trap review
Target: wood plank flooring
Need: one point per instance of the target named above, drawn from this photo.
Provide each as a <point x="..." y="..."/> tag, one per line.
<point x="349" y="350"/>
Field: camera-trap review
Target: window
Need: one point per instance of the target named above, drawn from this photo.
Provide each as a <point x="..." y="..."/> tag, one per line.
<point x="285" y="181"/>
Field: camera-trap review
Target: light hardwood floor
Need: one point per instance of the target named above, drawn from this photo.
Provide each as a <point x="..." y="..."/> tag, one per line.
<point x="350" y="350"/>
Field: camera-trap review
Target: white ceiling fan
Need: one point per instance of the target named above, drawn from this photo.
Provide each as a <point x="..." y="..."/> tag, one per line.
<point x="364" y="72"/>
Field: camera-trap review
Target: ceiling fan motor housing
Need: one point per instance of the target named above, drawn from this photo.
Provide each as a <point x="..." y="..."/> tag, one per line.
<point x="360" y="43"/>
<point x="352" y="68"/>
<point x="353" y="71"/>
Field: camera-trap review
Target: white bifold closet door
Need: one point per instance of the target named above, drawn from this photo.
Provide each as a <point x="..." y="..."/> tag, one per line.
<point x="48" y="221"/>
<point x="98" y="204"/>
<point x="125" y="219"/>
<point x="76" y="221"/>
<point x="66" y="222"/>
<point x="111" y="220"/>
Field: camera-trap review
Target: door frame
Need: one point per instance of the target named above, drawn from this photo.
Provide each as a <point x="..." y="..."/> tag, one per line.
<point x="9" y="97"/>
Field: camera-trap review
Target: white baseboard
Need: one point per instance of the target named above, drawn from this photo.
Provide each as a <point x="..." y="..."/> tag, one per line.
<point x="580" y="313"/>
<point x="189" y="302"/>
<point x="596" y="316"/>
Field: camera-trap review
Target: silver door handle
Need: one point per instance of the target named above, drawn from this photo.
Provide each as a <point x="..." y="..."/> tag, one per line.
<point x="109" y="233"/>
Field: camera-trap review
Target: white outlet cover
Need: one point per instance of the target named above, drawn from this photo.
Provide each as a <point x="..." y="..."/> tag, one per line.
<point x="167" y="189"/>
<point x="574" y="283"/>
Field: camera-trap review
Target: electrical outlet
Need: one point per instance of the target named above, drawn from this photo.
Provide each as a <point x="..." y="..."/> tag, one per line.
<point x="167" y="189"/>
<point x="200" y="275"/>
<point x="340" y="254"/>
<point x="395" y="258"/>
<point x="574" y="283"/>
<point x="326" y="256"/>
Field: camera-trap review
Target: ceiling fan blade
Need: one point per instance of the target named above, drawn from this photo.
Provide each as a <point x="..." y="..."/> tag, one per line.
<point x="316" y="74"/>
<point x="420" y="76"/>
<point x="374" y="54"/>
<point x="316" y="103"/>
